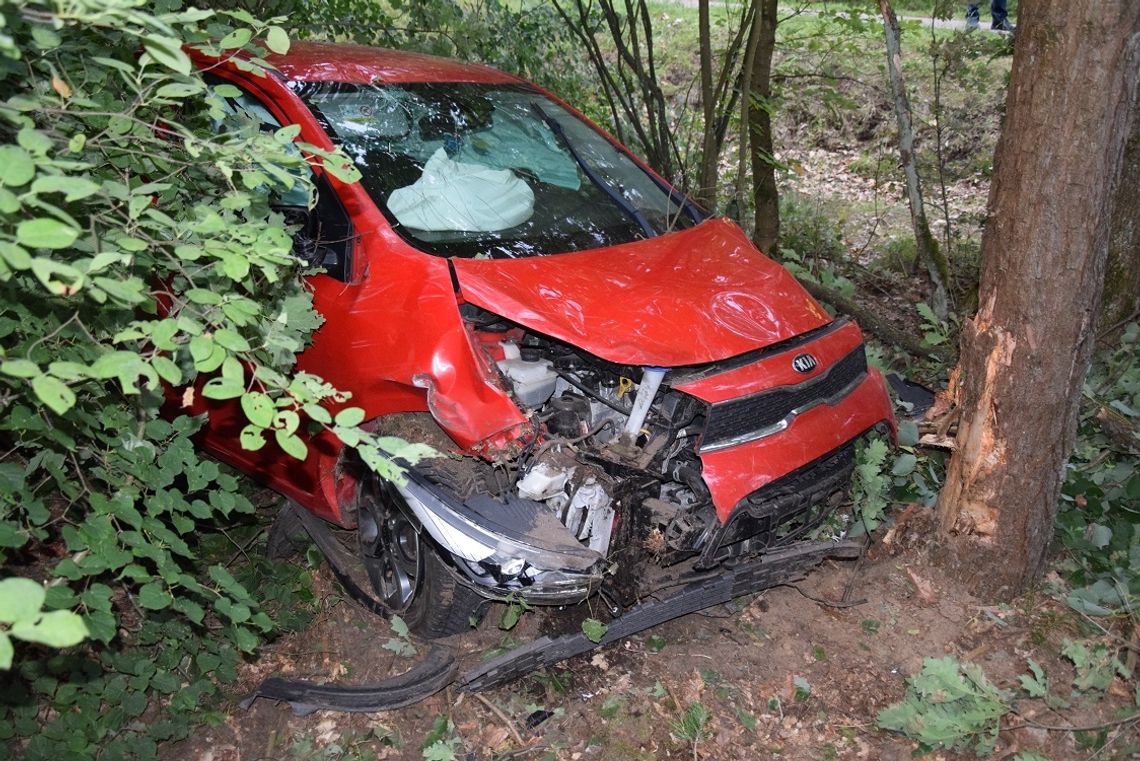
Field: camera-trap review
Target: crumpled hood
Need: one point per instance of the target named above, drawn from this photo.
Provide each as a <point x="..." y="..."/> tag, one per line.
<point x="689" y="297"/>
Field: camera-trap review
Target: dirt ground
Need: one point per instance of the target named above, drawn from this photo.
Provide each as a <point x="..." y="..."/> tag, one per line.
<point x="784" y="674"/>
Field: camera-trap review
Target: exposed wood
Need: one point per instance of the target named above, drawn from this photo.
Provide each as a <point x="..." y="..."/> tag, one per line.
<point x="1026" y="352"/>
<point x="926" y="246"/>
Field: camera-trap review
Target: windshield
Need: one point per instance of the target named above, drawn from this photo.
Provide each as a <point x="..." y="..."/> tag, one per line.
<point x="492" y="170"/>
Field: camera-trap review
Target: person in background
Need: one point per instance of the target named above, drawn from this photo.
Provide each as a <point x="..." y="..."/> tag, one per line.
<point x="999" y="16"/>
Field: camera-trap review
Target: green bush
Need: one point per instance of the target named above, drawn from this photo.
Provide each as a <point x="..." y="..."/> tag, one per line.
<point x="137" y="246"/>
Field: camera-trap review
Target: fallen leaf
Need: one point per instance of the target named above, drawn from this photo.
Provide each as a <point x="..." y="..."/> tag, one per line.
<point x="61" y="87"/>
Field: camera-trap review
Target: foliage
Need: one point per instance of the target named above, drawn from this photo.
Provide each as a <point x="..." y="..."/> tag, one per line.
<point x="139" y="251"/>
<point x="1098" y="522"/>
<point x="441" y="744"/>
<point x="401" y="644"/>
<point x="691" y="727"/>
<point x="594" y="629"/>
<point x="21" y="610"/>
<point x="526" y="38"/>
<point x="869" y="484"/>
<point x="515" y="607"/>
<point x="1096" y="665"/>
<point x="948" y="705"/>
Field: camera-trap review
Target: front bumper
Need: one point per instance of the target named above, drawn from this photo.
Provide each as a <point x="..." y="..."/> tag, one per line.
<point x="506" y="547"/>
<point x="807" y="432"/>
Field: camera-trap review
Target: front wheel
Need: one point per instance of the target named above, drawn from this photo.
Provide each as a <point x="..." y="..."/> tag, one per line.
<point x="408" y="574"/>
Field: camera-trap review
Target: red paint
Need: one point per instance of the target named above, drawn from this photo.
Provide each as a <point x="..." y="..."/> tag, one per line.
<point x="394" y="337"/>
<point x="358" y="64"/>
<point x="689" y="297"/>
<point x="734" y="473"/>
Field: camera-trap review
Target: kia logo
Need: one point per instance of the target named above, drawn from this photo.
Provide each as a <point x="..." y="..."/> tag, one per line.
<point x="804" y="363"/>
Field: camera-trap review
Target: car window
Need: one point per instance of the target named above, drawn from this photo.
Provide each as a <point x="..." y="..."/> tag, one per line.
<point x="324" y="237"/>
<point x="246" y="104"/>
<point x="502" y="171"/>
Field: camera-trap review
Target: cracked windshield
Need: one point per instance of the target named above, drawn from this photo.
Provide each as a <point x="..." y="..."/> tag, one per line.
<point x="474" y="170"/>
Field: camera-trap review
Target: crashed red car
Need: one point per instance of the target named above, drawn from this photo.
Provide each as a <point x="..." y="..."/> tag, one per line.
<point x="622" y="381"/>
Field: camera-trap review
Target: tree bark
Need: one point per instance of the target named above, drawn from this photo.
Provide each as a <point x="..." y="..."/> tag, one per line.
<point x="926" y="246"/>
<point x="758" y="126"/>
<point x="707" y="180"/>
<point x="1025" y="353"/>
<point x="1122" y="276"/>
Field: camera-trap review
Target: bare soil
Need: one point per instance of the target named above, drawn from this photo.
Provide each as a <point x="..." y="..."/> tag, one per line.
<point x="784" y="674"/>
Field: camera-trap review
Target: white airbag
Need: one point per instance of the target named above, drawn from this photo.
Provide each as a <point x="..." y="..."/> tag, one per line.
<point x="450" y="195"/>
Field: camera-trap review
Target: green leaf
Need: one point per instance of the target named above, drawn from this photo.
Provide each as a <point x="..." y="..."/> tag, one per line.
<point x="223" y="388"/>
<point x="20" y="599"/>
<point x="594" y="629"/>
<point x="16" y="166"/>
<point x="19" y="368"/>
<point x="58" y="628"/>
<point x="154" y="597"/>
<point x="45" y="232"/>
<point x="399" y="626"/>
<point x="236" y="39"/>
<point x="167" y="370"/>
<point x="179" y="90"/>
<point x="252" y="438"/>
<point x="350" y="417"/>
<point x="904" y="465"/>
<point x="73" y="188"/>
<point x="6" y="652"/>
<point x="16" y="257"/>
<point x="258" y="407"/>
<point x="231" y="339"/>
<point x="53" y="393"/>
<point x="277" y="40"/>
<point x="1035" y="686"/>
<point x="439" y="750"/>
<point x="291" y="444"/>
<point x="168" y="52"/>
<point x="908" y="433"/>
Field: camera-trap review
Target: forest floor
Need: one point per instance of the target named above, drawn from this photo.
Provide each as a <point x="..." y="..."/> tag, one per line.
<point x="788" y="673"/>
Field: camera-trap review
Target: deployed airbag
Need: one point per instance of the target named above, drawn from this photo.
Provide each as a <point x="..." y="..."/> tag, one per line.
<point x="462" y="197"/>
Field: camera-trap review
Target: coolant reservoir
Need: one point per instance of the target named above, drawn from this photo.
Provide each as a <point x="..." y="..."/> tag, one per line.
<point x="532" y="381"/>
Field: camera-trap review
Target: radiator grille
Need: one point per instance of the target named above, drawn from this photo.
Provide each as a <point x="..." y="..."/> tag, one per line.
<point x="747" y="418"/>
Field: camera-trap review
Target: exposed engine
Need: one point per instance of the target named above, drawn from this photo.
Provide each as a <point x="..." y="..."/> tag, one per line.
<point x="612" y="437"/>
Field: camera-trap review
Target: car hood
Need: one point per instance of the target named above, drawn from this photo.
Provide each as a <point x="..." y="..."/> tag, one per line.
<point x="685" y="298"/>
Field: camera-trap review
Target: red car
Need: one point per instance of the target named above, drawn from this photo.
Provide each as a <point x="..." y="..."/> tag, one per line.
<point x="623" y="384"/>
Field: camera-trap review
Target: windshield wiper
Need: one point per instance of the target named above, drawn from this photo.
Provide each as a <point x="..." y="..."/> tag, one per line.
<point x="599" y="181"/>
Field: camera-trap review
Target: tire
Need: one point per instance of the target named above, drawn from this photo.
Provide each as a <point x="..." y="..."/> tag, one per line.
<point x="287" y="535"/>
<point x="407" y="573"/>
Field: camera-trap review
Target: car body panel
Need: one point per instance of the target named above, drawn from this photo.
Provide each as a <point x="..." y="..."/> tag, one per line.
<point x="684" y="298"/>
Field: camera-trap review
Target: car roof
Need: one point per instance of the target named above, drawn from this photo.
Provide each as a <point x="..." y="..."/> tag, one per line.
<point x="360" y="64"/>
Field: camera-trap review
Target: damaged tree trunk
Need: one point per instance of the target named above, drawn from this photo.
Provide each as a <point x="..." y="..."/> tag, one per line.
<point x="926" y="247"/>
<point x="1025" y="354"/>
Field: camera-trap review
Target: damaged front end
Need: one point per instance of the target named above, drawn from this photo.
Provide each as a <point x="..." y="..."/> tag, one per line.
<point x="635" y="469"/>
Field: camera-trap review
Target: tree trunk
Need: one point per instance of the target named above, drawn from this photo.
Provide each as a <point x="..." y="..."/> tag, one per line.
<point x="707" y="181"/>
<point x="758" y="122"/>
<point x="1025" y="353"/>
<point x="1122" y="276"/>
<point x="926" y="246"/>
